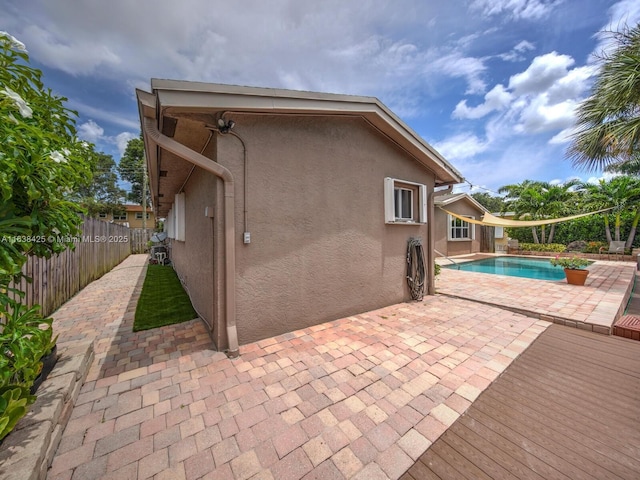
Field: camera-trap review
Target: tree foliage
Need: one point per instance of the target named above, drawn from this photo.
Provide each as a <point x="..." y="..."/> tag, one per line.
<point x="131" y="169"/>
<point x="620" y="194"/>
<point x="535" y="200"/>
<point x="102" y="195"/>
<point x="491" y="203"/>
<point x="41" y="163"/>
<point x="609" y="120"/>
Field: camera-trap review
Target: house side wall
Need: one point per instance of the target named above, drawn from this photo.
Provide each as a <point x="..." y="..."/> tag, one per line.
<point x="456" y="247"/>
<point x="193" y="259"/>
<point x="320" y="249"/>
<point x="440" y="232"/>
<point x="137" y="222"/>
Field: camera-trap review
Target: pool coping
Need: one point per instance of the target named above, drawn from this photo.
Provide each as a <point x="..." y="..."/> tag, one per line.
<point x="460" y="262"/>
<point x="594" y="307"/>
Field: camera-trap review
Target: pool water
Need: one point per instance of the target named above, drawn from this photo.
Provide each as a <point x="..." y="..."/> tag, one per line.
<point x="536" y="268"/>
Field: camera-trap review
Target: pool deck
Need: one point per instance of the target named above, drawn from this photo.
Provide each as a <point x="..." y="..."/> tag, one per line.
<point x="594" y="307"/>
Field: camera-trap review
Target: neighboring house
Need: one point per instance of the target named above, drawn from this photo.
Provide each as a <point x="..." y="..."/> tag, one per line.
<point x="131" y="217"/>
<point x="286" y="209"/>
<point x="454" y="236"/>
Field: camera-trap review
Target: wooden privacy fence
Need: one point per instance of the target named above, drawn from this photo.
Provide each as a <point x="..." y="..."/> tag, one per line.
<point x="139" y="239"/>
<point x="99" y="248"/>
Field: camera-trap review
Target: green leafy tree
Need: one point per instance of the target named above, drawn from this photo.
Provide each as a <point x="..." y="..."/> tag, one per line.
<point x="559" y="200"/>
<point x="609" y="120"/>
<point x="621" y="194"/>
<point x="536" y="200"/>
<point x="102" y="195"/>
<point x="42" y="163"/>
<point x="131" y="169"/>
<point x="488" y="201"/>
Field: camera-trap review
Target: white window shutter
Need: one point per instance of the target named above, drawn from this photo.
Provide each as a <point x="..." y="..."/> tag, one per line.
<point x="449" y="227"/>
<point x="168" y="224"/>
<point x="422" y="199"/>
<point x="180" y="216"/>
<point x="389" y="210"/>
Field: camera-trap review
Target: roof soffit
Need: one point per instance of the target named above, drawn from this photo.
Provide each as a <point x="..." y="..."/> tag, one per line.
<point x="214" y="98"/>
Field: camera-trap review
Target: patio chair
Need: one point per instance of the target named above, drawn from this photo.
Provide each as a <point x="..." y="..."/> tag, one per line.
<point x="615" y="248"/>
<point x="513" y="246"/>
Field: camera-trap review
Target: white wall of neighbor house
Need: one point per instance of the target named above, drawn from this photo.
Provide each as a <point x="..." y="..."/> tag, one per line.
<point x="320" y="247"/>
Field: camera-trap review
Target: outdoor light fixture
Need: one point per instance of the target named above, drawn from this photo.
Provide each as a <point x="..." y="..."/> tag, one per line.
<point x="224" y="127"/>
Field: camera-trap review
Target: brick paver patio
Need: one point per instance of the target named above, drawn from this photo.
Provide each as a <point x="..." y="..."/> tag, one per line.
<point x="360" y="397"/>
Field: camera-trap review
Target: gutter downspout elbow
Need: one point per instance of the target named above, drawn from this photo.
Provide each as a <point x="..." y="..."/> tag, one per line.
<point x="431" y="283"/>
<point x="166" y="143"/>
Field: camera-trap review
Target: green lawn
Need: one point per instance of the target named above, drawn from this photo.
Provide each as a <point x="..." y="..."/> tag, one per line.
<point x="163" y="301"/>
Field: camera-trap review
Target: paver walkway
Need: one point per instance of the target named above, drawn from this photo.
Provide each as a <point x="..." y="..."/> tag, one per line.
<point x="104" y="311"/>
<point x="361" y="397"/>
<point x="595" y="306"/>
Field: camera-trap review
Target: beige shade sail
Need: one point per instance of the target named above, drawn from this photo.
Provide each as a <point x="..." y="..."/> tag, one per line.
<point x="492" y="221"/>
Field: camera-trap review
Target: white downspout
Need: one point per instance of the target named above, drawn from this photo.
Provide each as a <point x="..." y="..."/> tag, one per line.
<point x="218" y="170"/>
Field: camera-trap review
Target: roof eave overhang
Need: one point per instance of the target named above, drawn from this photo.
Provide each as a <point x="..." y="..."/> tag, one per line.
<point x="458" y="197"/>
<point x="194" y="96"/>
<point x="147" y="107"/>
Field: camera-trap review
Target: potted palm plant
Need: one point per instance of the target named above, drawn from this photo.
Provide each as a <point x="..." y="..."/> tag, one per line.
<point x="574" y="268"/>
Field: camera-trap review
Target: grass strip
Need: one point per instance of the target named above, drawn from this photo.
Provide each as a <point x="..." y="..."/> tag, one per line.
<point x="163" y="300"/>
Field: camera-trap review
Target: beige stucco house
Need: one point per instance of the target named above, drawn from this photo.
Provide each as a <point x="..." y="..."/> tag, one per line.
<point x="132" y="217"/>
<point x="454" y="236"/>
<point x="286" y="209"/>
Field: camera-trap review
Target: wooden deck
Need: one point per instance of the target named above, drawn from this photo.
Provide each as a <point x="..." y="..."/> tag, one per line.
<point x="567" y="408"/>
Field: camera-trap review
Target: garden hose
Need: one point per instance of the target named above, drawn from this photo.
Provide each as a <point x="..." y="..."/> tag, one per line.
<point x="416" y="271"/>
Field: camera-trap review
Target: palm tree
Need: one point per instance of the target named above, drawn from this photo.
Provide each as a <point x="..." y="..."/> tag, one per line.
<point x="523" y="199"/>
<point x="539" y="200"/>
<point x="620" y="193"/>
<point x="559" y="200"/>
<point x="609" y="120"/>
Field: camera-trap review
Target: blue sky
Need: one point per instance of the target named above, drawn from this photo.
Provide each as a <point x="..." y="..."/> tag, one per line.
<point x="492" y="84"/>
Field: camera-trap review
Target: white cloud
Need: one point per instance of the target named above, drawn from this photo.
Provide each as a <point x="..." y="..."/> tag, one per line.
<point x="542" y="98"/>
<point x="104" y="115"/>
<point x="625" y="12"/>
<point x="516" y="53"/>
<point x="122" y="139"/>
<point x="460" y="146"/>
<point x="564" y="136"/>
<point x="79" y="58"/>
<point x="458" y="65"/>
<point x="90" y="131"/>
<point x="606" y="176"/>
<point x="94" y="133"/>
<point x="541" y="116"/>
<point x="517" y="9"/>
<point x="543" y="72"/>
<point x="495" y="100"/>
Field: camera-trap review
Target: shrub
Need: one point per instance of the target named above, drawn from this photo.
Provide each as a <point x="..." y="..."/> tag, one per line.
<point x="42" y="161"/>
<point x="594" y="247"/>
<point x="542" y="247"/>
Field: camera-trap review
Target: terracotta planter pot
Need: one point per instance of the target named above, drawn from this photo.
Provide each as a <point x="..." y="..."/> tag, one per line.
<point x="576" y="276"/>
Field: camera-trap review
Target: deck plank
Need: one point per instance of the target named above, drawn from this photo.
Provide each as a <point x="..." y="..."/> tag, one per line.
<point x="461" y="463"/>
<point x="567" y="408"/>
<point x="565" y="416"/>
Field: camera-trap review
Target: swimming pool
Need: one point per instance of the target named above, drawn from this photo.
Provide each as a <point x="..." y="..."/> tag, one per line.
<point x="536" y="268"/>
